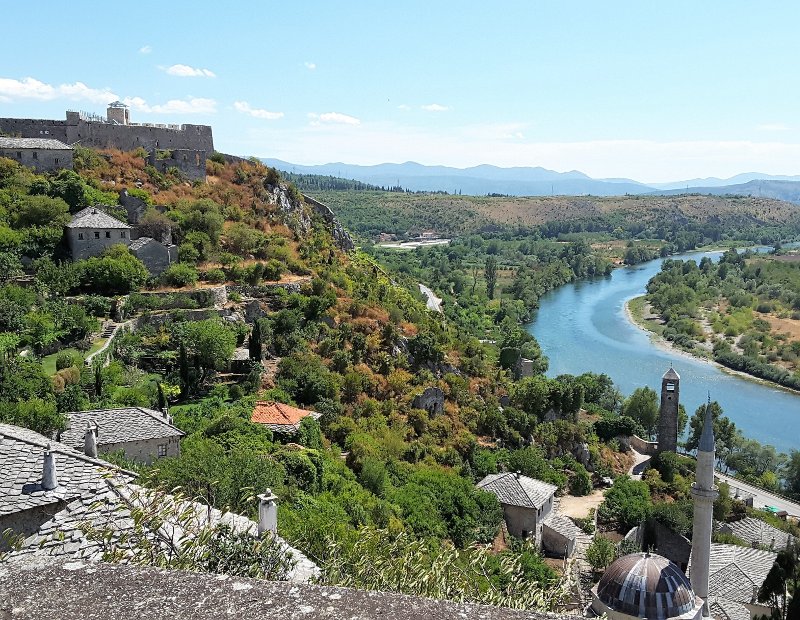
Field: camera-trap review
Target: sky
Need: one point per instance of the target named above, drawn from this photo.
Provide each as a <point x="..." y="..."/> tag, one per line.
<point x="653" y="91"/>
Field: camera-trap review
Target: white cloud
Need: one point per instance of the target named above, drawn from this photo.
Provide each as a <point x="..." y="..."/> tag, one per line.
<point x="435" y="107"/>
<point x="31" y="88"/>
<point x="145" y="49"/>
<point x="192" y="105"/>
<point x="244" y="108"/>
<point x="333" y="118"/>
<point x="310" y="65"/>
<point x="403" y="106"/>
<point x="772" y="127"/>
<point x="187" y="71"/>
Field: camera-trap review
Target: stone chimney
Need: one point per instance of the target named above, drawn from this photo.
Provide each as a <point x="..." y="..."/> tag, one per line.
<point x="90" y="440"/>
<point x="516" y="475"/>
<point x="49" y="474"/>
<point x="267" y="512"/>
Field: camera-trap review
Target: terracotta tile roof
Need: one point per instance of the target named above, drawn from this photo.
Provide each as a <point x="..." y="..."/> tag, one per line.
<point x="280" y="417"/>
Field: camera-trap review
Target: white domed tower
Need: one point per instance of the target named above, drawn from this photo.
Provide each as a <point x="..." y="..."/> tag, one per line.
<point x="704" y="493"/>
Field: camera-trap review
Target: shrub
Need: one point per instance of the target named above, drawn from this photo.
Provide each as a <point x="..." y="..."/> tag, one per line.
<point x="216" y="276"/>
<point x="180" y="274"/>
<point x="273" y="270"/>
<point x="65" y="359"/>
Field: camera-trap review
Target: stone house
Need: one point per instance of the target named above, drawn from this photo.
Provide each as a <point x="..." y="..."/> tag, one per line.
<point x="280" y="418"/>
<point x="757" y="533"/>
<point x="734" y="577"/>
<point x="40" y="477"/>
<point x="51" y="493"/>
<point x="92" y="230"/>
<point x="41" y="154"/>
<point x="156" y="256"/>
<point x="142" y="434"/>
<point x="526" y="502"/>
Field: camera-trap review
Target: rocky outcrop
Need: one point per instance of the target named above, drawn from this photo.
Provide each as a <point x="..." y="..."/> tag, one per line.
<point x="431" y="400"/>
<point x="343" y="239"/>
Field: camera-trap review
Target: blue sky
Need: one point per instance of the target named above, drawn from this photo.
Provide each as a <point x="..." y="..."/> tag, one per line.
<point x="654" y="91"/>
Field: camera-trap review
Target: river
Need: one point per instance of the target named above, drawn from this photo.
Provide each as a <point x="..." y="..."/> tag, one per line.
<point x="582" y="327"/>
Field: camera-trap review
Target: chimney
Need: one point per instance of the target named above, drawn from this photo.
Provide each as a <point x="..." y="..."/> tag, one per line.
<point x="267" y="512"/>
<point x="516" y="475"/>
<point x="49" y="474"/>
<point x="90" y="440"/>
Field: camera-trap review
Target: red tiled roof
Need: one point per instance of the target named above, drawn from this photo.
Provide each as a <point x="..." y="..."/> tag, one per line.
<point x="279" y="416"/>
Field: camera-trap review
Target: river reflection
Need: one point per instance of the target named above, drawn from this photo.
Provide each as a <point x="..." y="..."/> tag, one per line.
<point x="582" y="327"/>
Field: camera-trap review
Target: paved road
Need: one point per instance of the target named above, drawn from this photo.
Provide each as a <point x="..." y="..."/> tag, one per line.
<point x="639" y="464"/>
<point x="434" y="303"/>
<point x="760" y="498"/>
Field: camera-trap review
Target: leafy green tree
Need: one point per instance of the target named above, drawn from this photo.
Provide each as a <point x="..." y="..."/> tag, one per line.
<point x="780" y="588"/>
<point x="310" y="434"/>
<point x="490" y="273"/>
<point x="626" y="504"/>
<point x="37" y="414"/>
<point x="306" y="378"/>
<point x="600" y="553"/>
<point x="116" y="272"/>
<point x="642" y="406"/>
<point x="212" y="341"/>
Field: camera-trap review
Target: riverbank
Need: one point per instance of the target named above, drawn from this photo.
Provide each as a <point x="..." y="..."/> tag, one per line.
<point x="638" y="313"/>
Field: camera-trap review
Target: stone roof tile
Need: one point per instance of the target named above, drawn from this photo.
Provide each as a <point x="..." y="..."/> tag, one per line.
<point x="45" y="144"/>
<point x="94" y="217"/>
<point x="118" y="426"/>
<point x="517" y="490"/>
<point x="22" y="461"/>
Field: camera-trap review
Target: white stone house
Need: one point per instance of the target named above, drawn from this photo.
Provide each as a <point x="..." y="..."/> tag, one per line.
<point x="41" y="154"/>
<point x="92" y="230"/>
<point x="144" y="435"/>
<point x="526" y="502"/>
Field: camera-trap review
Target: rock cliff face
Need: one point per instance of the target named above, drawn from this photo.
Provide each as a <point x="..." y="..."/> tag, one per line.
<point x="298" y="218"/>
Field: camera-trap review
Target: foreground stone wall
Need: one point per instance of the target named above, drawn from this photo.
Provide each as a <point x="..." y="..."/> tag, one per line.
<point x="38" y="588"/>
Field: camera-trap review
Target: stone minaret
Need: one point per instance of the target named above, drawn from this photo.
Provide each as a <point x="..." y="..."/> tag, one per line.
<point x="668" y="415"/>
<point x="704" y="493"/>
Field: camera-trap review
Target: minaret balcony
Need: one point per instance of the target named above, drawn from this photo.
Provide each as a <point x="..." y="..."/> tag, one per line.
<point x="699" y="492"/>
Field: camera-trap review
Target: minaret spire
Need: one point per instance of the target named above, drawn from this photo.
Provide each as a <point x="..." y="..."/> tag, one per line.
<point x="704" y="493"/>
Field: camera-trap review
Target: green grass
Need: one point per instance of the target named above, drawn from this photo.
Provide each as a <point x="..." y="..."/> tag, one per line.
<point x="49" y="361"/>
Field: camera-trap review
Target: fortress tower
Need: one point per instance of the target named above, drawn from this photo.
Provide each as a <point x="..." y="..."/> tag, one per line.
<point x="668" y="415"/>
<point x="703" y="493"/>
<point x="118" y="113"/>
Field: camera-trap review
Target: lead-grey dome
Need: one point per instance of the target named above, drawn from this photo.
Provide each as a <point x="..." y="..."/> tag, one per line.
<point x="646" y="585"/>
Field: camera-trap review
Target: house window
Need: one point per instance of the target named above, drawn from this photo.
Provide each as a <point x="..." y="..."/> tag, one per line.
<point x="108" y="234"/>
<point x="56" y="161"/>
<point x="35" y="155"/>
<point x="80" y="236"/>
<point x="123" y="234"/>
<point x="96" y="234"/>
<point x="19" y="155"/>
<point x="162" y="450"/>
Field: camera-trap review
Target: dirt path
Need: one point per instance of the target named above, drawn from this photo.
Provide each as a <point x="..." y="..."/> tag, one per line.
<point x="579" y="507"/>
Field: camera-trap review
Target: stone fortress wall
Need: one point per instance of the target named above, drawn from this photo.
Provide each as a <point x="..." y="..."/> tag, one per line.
<point x="189" y="144"/>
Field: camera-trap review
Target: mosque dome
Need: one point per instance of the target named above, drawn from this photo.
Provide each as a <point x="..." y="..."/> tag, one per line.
<point x="644" y="585"/>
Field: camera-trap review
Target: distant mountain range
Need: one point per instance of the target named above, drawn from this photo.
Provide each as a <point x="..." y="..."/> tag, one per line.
<point x="536" y="181"/>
